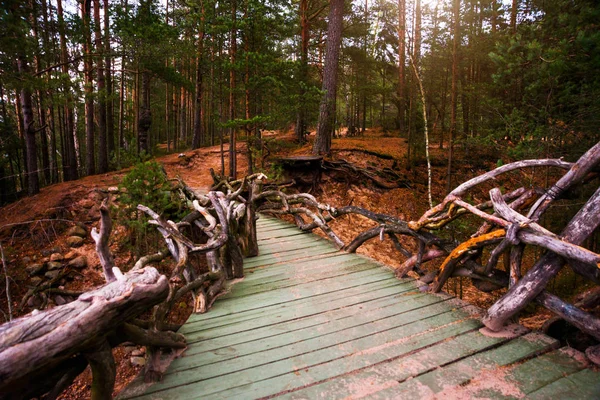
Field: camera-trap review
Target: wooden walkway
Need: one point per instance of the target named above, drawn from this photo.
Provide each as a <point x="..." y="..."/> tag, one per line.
<point x="309" y="322"/>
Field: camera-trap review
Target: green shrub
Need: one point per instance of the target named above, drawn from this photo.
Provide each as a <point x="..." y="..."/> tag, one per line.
<point x="146" y="184"/>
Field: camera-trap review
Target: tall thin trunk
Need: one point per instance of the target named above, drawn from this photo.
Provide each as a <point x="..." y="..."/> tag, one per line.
<point x="50" y="31"/>
<point x="232" y="56"/>
<point x="454" y="90"/>
<point x="40" y="96"/>
<point x="33" y="184"/>
<point x="513" y="16"/>
<point x="198" y="138"/>
<point x="89" y="101"/>
<point x="110" y="118"/>
<point x="69" y="160"/>
<point x="300" y="130"/>
<point x="7" y="186"/>
<point x="102" y="144"/>
<point x="494" y="19"/>
<point x="121" y="139"/>
<point x="401" y="65"/>
<point x="327" y="109"/>
<point x="145" y="120"/>
<point x="247" y="92"/>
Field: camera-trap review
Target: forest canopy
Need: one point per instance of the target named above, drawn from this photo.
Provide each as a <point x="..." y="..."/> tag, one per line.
<point x="94" y="85"/>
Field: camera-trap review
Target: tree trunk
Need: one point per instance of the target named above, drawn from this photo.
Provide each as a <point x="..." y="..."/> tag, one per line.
<point x="145" y="118"/>
<point x="69" y="159"/>
<point x="198" y="137"/>
<point x="110" y="119"/>
<point x="232" y="56"/>
<point x="327" y="108"/>
<point x="454" y="90"/>
<point x="401" y="65"/>
<point x="303" y="70"/>
<point x="513" y="16"/>
<point x="102" y="145"/>
<point x="35" y="346"/>
<point x="33" y="184"/>
<point x="89" y="101"/>
<point x="40" y="97"/>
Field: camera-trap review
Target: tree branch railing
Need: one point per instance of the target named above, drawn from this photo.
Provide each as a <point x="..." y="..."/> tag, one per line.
<point x="511" y="227"/>
<point x="44" y="351"/>
<point x="52" y="347"/>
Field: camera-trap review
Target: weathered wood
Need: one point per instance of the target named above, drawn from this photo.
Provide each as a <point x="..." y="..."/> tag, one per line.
<point x="585" y="321"/>
<point x="101" y="239"/>
<point x="104" y="371"/>
<point x="325" y="338"/>
<point x="38" y="342"/>
<point x="536" y="279"/>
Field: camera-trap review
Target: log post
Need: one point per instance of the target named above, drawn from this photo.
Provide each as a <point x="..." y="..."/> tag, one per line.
<point x="537" y="278"/>
<point x="39" y="344"/>
<point x="104" y="372"/>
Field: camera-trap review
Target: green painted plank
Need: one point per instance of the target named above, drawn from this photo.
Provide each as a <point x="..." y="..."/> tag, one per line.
<point x="328" y="333"/>
<point x="275" y="252"/>
<point x="317" y="269"/>
<point x="200" y="341"/>
<point x="266" y="249"/>
<point x="524" y="378"/>
<point x="443" y="381"/>
<point x="275" y="228"/>
<point x="389" y="373"/>
<point x="301" y="239"/>
<point x="289" y="235"/>
<point x="230" y="325"/>
<point x="243" y="370"/>
<point x="352" y="272"/>
<point x="271" y="259"/>
<point x="298" y="306"/>
<point x="222" y="313"/>
<point x="584" y="384"/>
<point x="300" y="265"/>
<point x="291" y="269"/>
<point x="256" y="301"/>
<point x="301" y="376"/>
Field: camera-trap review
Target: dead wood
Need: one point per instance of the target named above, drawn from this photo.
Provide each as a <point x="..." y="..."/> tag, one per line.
<point x="101" y="239"/>
<point x="39" y="342"/>
<point x="536" y="279"/>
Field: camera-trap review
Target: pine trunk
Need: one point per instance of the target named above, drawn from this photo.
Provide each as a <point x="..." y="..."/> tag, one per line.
<point x="102" y="145"/>
<point x="33" y="185"/>
<point x="89" y="101"/>
<point x="327" y="108"/>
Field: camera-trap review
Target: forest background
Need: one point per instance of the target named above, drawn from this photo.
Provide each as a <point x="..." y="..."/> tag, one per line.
<point x="96" y="85"/>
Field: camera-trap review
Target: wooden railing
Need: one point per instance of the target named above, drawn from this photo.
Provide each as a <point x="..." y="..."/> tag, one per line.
<point x="43" y="352"/>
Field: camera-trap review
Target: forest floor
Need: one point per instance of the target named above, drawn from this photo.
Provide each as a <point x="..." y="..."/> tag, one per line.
<point x="33" y="228"/>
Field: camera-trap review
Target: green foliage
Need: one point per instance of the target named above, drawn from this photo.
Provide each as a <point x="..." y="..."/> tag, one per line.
<point x="146" y="184"/>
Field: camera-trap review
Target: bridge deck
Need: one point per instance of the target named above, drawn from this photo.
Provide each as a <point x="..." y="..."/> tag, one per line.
<point x="309" y="322"/>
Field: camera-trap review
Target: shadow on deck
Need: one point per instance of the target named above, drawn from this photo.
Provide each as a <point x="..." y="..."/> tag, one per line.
<point x="310" y="322"/>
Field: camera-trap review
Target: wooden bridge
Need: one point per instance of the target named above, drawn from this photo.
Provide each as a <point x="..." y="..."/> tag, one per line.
<point x="310" y="322"/>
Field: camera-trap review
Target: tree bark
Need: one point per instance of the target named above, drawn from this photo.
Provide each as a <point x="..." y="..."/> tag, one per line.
<point x="454" y="90"/>
<point x="110" y="119"/>
<point x="145" y="117"/>
<point x="34" y="345"/>
<point x="33" y="183"/>
<point x="102" y="144"/>
<point x="69" y="159"/>
<point x="198" y="137"/>
<point x="232" y="57"/>
<point x="327" y="108"/>
<point x="401" y="65"/>
<point x="300" y="130"/>
<point x="89" y="101"/>
<point x="537" y="278"/>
